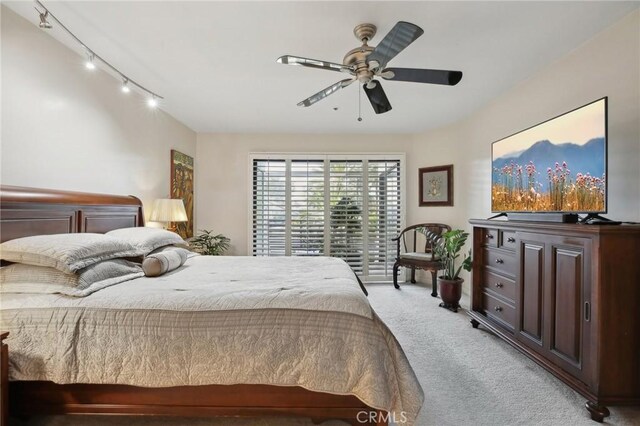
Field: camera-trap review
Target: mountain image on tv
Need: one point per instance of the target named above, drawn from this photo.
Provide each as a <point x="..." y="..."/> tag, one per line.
<point x="533" y="173"/>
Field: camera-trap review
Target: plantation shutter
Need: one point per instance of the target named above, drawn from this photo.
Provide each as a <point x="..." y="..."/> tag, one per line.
<point x="269" y="207"/>
<point x="383" y="215"/>
<point x="307" y="207"/>
<point x="347" y="206"/>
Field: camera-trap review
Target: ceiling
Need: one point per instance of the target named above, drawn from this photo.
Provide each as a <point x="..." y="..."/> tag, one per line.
<point x="215" y="62"/>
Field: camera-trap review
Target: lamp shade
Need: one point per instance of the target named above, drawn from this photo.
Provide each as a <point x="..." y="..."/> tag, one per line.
<point x="168" y="210"/>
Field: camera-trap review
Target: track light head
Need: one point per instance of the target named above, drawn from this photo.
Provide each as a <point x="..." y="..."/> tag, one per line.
<point x="89" y="64"/>
<point x="44" y="24"/>
<point x="125" y="86"/>
<point x="92" y="59"/>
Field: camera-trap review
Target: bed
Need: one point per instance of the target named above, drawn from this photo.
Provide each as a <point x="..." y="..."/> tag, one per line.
<point x="220" y="336"/>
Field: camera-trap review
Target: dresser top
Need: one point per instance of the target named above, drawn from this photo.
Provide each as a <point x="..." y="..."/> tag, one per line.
<point x="558" y="227"/>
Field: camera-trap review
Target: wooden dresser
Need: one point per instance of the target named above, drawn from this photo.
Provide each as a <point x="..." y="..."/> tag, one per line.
<point x="568" y="296"/>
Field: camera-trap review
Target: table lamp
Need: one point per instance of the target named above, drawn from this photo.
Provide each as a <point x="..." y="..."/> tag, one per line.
<point x="168" y="210"/>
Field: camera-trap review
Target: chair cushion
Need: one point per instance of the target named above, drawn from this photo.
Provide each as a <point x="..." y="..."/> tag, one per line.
<point x="418" y="256"/>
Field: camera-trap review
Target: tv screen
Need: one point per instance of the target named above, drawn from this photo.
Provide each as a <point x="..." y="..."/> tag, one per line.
<point x="559" y="165"/>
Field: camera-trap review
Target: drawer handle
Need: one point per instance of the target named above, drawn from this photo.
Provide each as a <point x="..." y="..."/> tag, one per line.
<point x="498" y="309"/>
<point x="490" y="236"/>
<point x="499" y="261"/>
<point x="499" y="285"/>
<point x="511" y="240"/>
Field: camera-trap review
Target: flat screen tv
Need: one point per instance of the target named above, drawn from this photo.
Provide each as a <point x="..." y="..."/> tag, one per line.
<point x="558" y="166"/>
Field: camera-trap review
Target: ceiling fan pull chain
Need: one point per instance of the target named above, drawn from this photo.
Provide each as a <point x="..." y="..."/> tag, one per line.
<point x="359" y="103"/>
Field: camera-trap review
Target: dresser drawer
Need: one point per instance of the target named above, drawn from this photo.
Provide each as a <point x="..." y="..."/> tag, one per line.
<point x="505" y="287"/>
<point x="499" y="311"/>
<point x="490" y="237"/>
<point x="507" y="240"/>
<point x="500" y="261"/>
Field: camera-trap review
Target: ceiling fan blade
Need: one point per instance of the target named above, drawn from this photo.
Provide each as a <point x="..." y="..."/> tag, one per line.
<point x="325" y="92"/>
<point x="377" y="97"/>
<point x="417" y="75"/>
<point x="313" y="63"/>
<point x="400" y="36"/>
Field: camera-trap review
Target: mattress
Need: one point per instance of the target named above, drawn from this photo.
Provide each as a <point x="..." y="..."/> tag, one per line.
<point x="218" y="320"/>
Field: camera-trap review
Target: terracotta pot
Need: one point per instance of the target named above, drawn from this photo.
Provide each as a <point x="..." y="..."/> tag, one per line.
<point x="450" y="292"/>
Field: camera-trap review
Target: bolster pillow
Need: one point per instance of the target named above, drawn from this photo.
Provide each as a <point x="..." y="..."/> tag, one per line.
<point x="161" y="263"/>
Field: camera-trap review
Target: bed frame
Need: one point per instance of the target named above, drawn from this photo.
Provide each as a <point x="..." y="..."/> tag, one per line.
<point x="27" y="211"/>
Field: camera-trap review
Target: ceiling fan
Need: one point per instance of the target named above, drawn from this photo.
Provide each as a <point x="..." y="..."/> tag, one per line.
<point x="366" y="62"/>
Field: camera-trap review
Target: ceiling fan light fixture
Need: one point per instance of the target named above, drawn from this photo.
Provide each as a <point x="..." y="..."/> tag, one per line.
<point x="386" y="74"/>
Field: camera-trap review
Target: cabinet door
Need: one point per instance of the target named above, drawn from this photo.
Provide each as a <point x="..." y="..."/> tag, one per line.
<point x="553" y="293"/>
<point x="530" y="279"/>
<point x="567" y="286"/>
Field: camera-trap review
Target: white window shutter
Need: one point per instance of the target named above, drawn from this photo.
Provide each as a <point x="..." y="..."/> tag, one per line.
<point x="269" y="207"/>
<point x="329" y="205"/>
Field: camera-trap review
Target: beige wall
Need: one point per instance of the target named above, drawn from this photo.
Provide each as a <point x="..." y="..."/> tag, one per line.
<point x="222" y="172"/>
<point x="607" y="65"/>
<point x="66" y="128"/>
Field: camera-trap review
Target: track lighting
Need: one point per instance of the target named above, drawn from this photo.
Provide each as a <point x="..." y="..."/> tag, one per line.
<point x="44" y="24"/>
<point x="125" y="86"/>
<point x="92" y="57"/>
<point x="89" y="64"/>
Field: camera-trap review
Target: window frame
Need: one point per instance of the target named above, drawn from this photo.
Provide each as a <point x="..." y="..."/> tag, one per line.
<point x="326" y="157"/>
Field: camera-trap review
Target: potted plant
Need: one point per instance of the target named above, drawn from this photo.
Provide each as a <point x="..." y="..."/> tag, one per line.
<point x="207" y="243"/>
<point x="448" y="248"/>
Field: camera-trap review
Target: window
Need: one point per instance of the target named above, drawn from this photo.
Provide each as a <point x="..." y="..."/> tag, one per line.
<point x="329" y="205"/>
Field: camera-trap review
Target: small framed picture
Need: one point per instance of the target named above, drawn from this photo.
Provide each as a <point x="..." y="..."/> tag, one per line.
<point x="436" y="186"/>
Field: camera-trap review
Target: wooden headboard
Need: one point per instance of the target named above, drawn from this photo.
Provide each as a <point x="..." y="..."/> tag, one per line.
<point x="29" y="211"/>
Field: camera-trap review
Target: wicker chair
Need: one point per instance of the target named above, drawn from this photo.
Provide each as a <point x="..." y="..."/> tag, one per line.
<point x="416" y="259"/>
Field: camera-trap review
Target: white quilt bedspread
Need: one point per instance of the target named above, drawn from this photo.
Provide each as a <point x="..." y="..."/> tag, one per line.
<point x="218" y="320"/>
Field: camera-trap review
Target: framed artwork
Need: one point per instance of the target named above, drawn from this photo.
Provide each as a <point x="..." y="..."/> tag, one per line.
<point x="436" y="186"/>
<point x="182" y="187"/>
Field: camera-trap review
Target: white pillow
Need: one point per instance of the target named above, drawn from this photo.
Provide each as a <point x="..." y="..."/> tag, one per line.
<point x="146" y="239"/>
<point x="66" y="252"/>
<point x="21" y="278"/>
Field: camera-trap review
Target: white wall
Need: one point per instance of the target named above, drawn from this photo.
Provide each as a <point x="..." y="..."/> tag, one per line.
<point x="222" y="172"/>
<point x="64" y="127"/>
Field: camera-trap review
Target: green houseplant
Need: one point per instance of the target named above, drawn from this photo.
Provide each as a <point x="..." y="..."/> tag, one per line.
<point x="448" y="247"/>
<point x="207" y="243"/>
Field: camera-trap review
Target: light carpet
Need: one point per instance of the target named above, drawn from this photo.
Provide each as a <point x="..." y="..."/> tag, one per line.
<point x="469" y="376"/>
